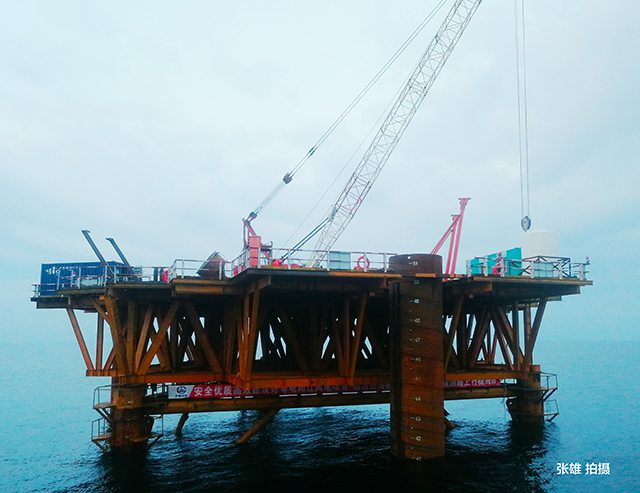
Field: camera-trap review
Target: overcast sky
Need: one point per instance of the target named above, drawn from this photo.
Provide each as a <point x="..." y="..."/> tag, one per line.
<point x="163" y="124"/>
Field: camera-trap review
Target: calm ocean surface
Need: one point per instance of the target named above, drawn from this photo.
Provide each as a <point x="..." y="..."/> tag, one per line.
<point x="45" y="420"/>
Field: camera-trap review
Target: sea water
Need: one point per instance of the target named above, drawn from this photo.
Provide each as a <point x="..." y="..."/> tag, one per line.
<point x="46" y="413"/>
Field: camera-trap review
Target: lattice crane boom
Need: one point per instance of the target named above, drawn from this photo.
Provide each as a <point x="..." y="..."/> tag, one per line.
<point x="393" y="127"/>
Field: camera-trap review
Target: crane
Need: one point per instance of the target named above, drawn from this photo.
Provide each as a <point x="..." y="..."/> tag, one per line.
<point x="380" y="149"/>
<point x="453" y="232"/>
<point x="392" y="129"/>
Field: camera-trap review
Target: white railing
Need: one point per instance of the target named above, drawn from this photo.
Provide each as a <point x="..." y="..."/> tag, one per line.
<point x="100" y="430"/>
<point x="533" y="267"/>
<point x="283" y="259"/>
<point x="267" y="257"/>
<point x="83" y="277"/>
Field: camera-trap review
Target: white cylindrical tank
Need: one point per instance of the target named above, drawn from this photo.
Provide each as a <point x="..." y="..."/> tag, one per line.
<point x="541" y="242"/>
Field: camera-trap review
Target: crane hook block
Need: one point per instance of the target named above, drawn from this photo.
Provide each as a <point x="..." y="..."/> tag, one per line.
<point x="287" y="178"/>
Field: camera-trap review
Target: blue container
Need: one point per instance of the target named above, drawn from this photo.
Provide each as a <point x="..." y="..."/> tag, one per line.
<point x="514" y="267"/>
<point x="74" y="275"/>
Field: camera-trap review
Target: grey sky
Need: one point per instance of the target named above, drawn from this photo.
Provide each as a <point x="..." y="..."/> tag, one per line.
<point x="162" y="124"/>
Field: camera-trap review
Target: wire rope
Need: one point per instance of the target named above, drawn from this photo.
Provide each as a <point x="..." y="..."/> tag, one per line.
<point x="289" y="176"/>
<point x="523" y="127"/>
<point x="365" y="139"/>
<point x="526" y="113"/>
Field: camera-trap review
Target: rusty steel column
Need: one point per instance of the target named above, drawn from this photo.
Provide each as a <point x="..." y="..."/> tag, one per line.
<point x="130" y="423"/>
<point x="417" y="373"/>
<point x="528" y="406"/>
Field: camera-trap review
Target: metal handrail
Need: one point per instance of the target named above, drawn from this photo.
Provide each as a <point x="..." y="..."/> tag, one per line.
<point x="153" y="390"/>
<point x="550" y="380"/>
<point x="99" y="428"/>
<point x="98" y="393"/>
<point x="269" y="257"/>
<point x="533" y="267"/>
<point x="550" y="409"/>
<point x="76" y="279"/>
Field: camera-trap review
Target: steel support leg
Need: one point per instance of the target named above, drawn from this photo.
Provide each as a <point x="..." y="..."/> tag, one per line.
<point x="131" y="425"/>
<point x="417" y="374"/>
<point x="528" y="406"/>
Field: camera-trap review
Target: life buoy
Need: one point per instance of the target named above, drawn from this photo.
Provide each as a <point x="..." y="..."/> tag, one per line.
<point x="367" y="263"/>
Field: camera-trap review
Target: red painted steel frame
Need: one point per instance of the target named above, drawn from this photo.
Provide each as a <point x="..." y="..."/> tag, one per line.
<point x="454" y="231"/>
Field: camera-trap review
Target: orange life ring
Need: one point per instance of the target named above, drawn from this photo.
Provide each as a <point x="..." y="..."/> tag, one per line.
<point x="367" y="263"/>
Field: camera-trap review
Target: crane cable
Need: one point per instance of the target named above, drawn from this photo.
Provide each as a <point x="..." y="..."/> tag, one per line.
<point x="317" y="229"/>
<point x="523" y="148"/>
<point x="289" y="176"/>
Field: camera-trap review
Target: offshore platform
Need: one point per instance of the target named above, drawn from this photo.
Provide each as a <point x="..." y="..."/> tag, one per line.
<point x="290" y="328"/>
<point x="270" y="337"/>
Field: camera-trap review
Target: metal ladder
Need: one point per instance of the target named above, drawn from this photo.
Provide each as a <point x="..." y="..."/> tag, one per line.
<point x="101" y="428"/>
<point x="549" y="384"/>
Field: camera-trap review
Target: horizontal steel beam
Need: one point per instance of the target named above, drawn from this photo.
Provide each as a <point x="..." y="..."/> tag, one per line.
<point x="179" y="406"/>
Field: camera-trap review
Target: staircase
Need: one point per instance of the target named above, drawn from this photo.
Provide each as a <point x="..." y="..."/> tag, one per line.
<point x="549" y="384"/>
<point x="101" y="428"/>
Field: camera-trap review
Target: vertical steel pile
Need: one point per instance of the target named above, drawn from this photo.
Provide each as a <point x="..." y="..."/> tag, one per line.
<point x="417" y="371"/>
